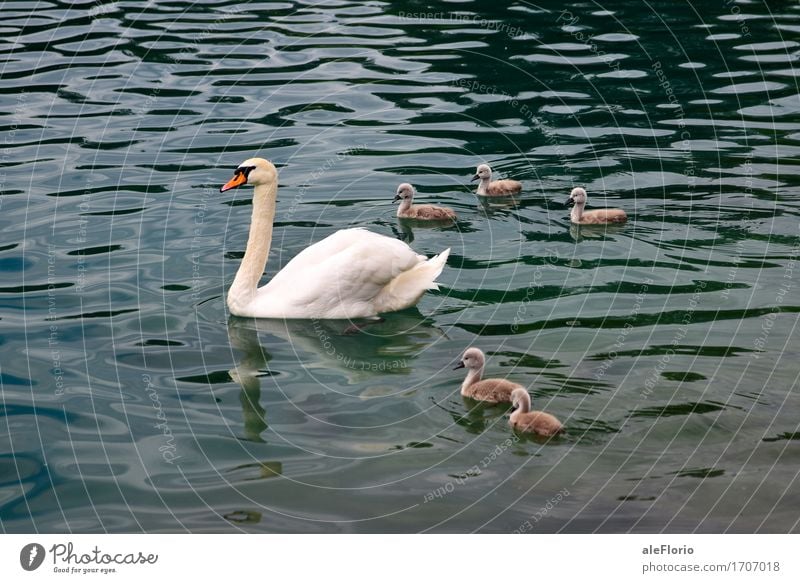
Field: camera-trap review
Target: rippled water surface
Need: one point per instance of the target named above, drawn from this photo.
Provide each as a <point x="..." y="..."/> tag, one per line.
<point x="131" y="401"/>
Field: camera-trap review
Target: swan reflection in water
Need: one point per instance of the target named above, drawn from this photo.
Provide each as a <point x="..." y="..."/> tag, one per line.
<point x="500" y="205"/>
<point x="405" y="228"/>
<point x="356" y="350"/>
<point x="581" y="232"/>
<point x="359" y="350"/>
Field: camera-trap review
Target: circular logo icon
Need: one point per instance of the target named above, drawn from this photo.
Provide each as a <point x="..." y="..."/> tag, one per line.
<point x="31" y="556"/>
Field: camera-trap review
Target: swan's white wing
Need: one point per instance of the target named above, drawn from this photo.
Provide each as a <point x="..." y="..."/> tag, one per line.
<point x="339" y="277"/>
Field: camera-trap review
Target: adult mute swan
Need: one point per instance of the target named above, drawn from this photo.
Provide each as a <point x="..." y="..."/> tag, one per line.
<point x="353" y="273"/>
<point x="527" y="421"/>
<point x="489" y="187"/>
<point x="596" y="217"/>
<point x="488" y="390"/>
<point x="423" y="212"/>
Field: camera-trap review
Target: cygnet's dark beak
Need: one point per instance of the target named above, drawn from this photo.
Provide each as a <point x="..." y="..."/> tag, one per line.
<point x="458" y="366"/>
<point x="474" y="178"/>
<point x="397" y="197"/>
<point x="570" y="202"/>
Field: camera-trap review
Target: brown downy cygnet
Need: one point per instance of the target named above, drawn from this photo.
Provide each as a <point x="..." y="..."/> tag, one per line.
<point x="596" y="217"/>
<point x="527" y="421"/>
<point x="488" y="187"/>
<point x="425" y="212"/>
<point x="489" y="390"/>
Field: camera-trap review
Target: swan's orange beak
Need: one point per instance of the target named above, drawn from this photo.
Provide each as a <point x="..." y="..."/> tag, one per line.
<point x="238" y="179"/>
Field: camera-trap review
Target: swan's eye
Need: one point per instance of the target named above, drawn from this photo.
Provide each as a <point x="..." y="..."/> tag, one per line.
<point x="244" y="170"/>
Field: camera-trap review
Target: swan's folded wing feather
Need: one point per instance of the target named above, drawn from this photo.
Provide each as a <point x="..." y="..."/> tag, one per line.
<point x="339" y="276"/>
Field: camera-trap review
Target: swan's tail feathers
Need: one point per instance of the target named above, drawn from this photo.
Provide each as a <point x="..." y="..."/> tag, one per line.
<point x="433" y="267"/>
<point x="406" y="289"/>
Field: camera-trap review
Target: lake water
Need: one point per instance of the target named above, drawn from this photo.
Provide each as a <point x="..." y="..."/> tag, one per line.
<point x="132" y="402"/>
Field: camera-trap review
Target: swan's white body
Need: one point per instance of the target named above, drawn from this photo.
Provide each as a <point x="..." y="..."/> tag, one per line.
<point x="353" y="273"/>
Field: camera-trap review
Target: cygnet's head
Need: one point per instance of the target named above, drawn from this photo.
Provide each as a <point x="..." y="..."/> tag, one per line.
<point x="483" y="172"/>
<point x="404" y="192"/>
<point x="472" y="359"/>
<point x="577" y="197"/>
<point x="520" y="399"/>
<point x="254" y="171"/>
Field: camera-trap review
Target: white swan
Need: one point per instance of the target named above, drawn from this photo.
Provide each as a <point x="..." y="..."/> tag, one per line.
<point x="351" y="274"/>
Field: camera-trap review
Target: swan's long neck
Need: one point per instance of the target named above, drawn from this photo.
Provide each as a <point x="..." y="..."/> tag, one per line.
<point x="577" y="212"/>
<point x="245" y="283"/>
<point x="484" y="184"/>
<point x="523" y="406"/>
<point x="524" y="403"/>
<point x="473" y="376"/>
<point x="405" y="206"/>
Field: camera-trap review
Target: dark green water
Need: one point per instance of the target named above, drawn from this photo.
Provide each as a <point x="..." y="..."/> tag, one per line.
<point x="668" y="346"/>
